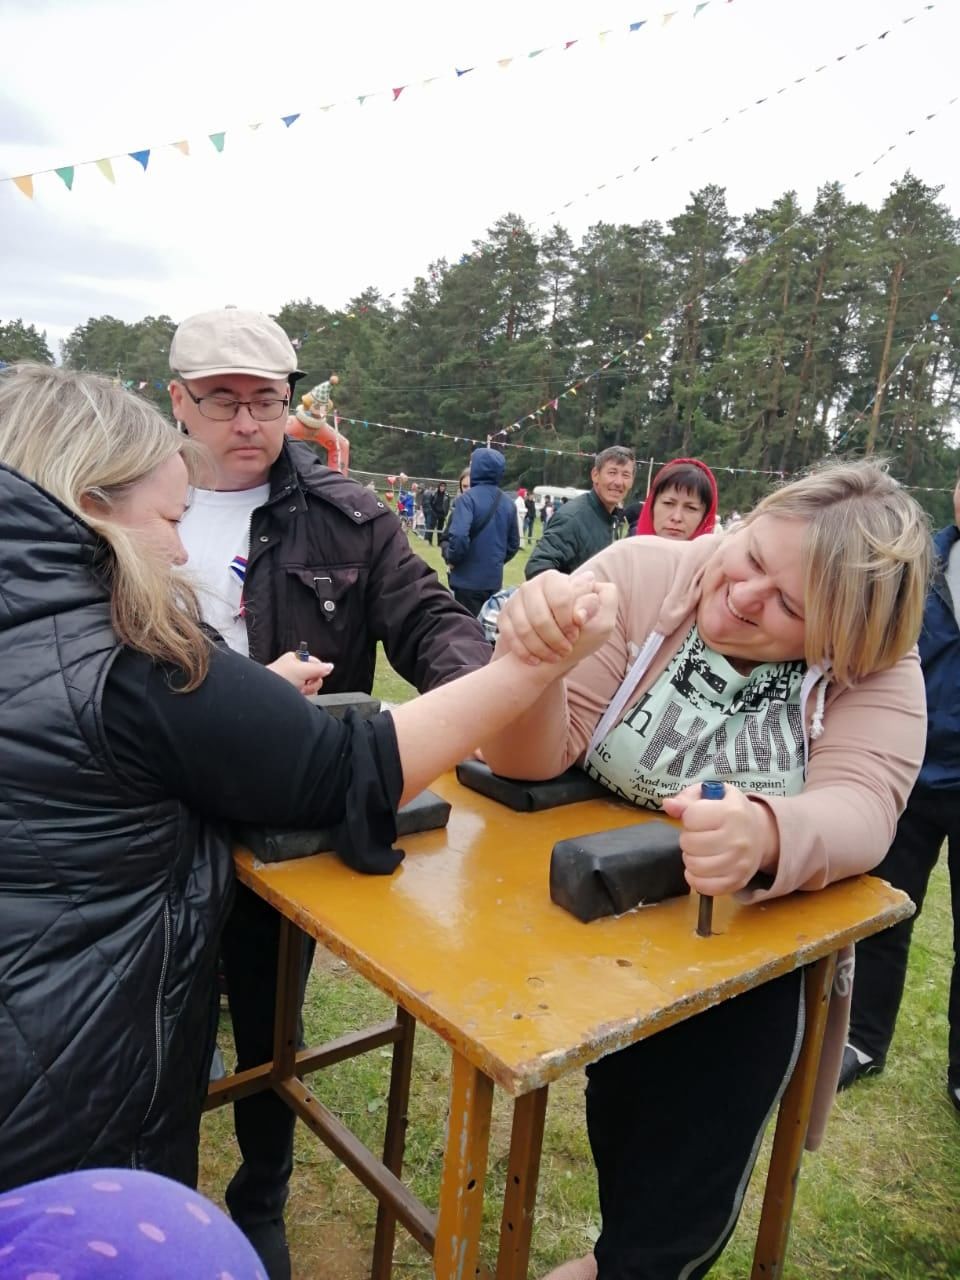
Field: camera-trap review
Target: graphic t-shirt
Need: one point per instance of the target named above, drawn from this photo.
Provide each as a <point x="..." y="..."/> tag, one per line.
<point x="702" y="719"/>
<point x="216" y="534"/>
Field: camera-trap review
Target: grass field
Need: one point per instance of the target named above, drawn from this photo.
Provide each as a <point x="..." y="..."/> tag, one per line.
<point x="879" y="1201"/>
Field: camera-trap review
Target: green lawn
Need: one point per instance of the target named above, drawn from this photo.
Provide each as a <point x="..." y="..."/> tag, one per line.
<point x="879" y="1201"/>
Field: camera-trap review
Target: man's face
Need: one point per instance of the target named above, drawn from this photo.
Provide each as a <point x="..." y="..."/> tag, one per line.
<point x="612" y="482"/>
<point x="243" y="448"/>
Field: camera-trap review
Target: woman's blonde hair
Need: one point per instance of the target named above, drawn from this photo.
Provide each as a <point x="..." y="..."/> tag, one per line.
<point x="868" y="558"/>
<point x="81" y="437"/>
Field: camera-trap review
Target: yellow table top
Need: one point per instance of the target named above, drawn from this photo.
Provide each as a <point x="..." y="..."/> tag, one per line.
<point x="465" y="937"/>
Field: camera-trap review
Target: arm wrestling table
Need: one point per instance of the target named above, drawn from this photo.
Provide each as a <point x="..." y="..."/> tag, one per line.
<point x="464" y="938"/>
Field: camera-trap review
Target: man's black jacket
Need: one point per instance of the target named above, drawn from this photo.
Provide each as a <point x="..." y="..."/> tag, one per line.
<point x="330" y="564"/>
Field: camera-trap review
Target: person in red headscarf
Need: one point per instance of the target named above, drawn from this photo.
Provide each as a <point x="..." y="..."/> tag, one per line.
<point x="682" y="501"/>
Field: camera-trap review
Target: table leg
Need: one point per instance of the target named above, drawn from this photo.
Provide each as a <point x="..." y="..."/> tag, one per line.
<point x="464" y="1173"/>
<point x="791" y="1131"/>
<point x="393" y="1142"/>
<point x="520" y="1197"/>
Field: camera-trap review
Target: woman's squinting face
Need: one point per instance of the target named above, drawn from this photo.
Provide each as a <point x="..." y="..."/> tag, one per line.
<point x="154" y="507"/>
<point x="751" y="606"/>
<point x="677" y="513"/>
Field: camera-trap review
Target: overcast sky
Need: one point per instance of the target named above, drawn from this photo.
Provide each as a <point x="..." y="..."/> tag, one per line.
<point x="369" y="195"/>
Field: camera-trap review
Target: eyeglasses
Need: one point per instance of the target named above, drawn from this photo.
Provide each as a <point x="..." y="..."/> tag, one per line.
<point x="220" y="408"/>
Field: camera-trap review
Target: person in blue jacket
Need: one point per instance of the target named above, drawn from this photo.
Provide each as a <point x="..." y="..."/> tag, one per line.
<point x="932" y="815"/>
<point x="483" y="533"/>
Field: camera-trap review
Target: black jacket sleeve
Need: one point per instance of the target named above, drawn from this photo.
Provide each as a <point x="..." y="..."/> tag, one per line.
<point x="246" y="747"/>
<point x="558" y="548"/>
<point x="429" y="638"/>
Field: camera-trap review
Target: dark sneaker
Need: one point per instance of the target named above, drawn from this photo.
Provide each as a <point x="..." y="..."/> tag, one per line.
<point x="856" y="1064"/>
<point x="269" y="1239"/>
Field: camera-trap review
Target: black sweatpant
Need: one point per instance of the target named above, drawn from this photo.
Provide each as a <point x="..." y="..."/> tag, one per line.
<point x="675" y="1123"/>
<point x="473" y="601"/>
<point x="929" y="818"/>
<point x="264" y="1124"/>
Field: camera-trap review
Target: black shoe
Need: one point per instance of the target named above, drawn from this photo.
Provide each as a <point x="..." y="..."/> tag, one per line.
<point x="269" y="1239"/>
<point x="953" y="1092"/>
<point x="853" y="1069"/>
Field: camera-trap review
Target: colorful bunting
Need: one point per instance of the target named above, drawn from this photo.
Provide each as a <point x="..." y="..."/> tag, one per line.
<point x="66" y="172"/>
<point x="750" y="106"/>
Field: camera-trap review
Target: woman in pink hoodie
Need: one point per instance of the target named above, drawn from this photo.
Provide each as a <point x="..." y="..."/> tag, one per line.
<point x="681" y="502"/>
<point x="780" y="658"/>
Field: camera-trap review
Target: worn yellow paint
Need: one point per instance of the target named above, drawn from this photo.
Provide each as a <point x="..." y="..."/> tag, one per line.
<point x="465" y="937"/>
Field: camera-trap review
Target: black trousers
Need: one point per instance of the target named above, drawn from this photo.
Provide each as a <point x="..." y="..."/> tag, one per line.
<point x="473" y="601"/>
<point x="264" y="1124"/>
<point x="675" y="1123"/>
<point x="929" y="818"/>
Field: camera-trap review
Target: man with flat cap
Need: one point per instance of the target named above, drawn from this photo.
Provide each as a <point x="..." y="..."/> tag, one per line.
<point x="285" y="550"/>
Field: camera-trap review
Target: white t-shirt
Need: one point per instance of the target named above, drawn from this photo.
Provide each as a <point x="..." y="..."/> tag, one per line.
<point x="216" y="534"/>
<point x="704" y="720"/>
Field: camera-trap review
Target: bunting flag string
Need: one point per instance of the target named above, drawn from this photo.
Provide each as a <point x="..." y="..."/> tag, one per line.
<point x="717" y="468"/>
<point x="24" y="182"/>
<point x="572" y="389"/>
<point x="750" y="106"/>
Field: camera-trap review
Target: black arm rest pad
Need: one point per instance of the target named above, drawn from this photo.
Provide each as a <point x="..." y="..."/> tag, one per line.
<point x="425" y="812"/>
<point x="336" y="704"/>
<point x="609" y="872"/>
<point x="530" y="797"/>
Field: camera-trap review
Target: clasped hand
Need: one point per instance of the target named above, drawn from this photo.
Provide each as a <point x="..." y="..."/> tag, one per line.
<point x="724" y="842"/>
<point x="557" y="619"/>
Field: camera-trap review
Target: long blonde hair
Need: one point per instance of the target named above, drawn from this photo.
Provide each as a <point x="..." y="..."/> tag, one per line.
<point x="79" y="436"/>
<point x="868" y="558"/>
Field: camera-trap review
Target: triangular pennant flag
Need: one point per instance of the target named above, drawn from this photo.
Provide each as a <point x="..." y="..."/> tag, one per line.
<point x="217" y="139"/>
<point x="635" y="26"/>
<point x="462" y="71"/>
<point x="66" y="176"/>
<point x="362" y="97"/>
<point x="568" y="44"/>
<point x="254" y="127"/>
<point x="504" y="62"/>
<point x="429" y="80"/>
<point x="141" y="385"/>
<point x="106" y="168"/>
<point x="668" y="16"/>
<point x="534" y="53"/>
<point x="25" y="184"/>
<point x="141" y="157"/>
<point x="700" y="6"/>
<point x="602" y="35"/>
<point x="288" y="120"/>
<point x="183" y="148"/>
<point x="397" y="92"/>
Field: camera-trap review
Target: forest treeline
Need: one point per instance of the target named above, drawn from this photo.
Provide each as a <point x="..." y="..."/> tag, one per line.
<point x="760" y="343"/>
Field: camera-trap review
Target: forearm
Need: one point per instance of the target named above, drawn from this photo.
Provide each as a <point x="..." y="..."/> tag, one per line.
<point x="487" y="706"/>
<point x="533" y="743"/>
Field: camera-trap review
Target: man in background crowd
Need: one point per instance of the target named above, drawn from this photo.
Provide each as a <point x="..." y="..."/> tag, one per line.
<point x="580" y="528"/>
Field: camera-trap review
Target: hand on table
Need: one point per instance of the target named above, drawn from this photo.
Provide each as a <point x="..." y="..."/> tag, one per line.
<point x="725" y="842"/>
<point x="307" y="676"/>
<point x="557" y="618"/>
